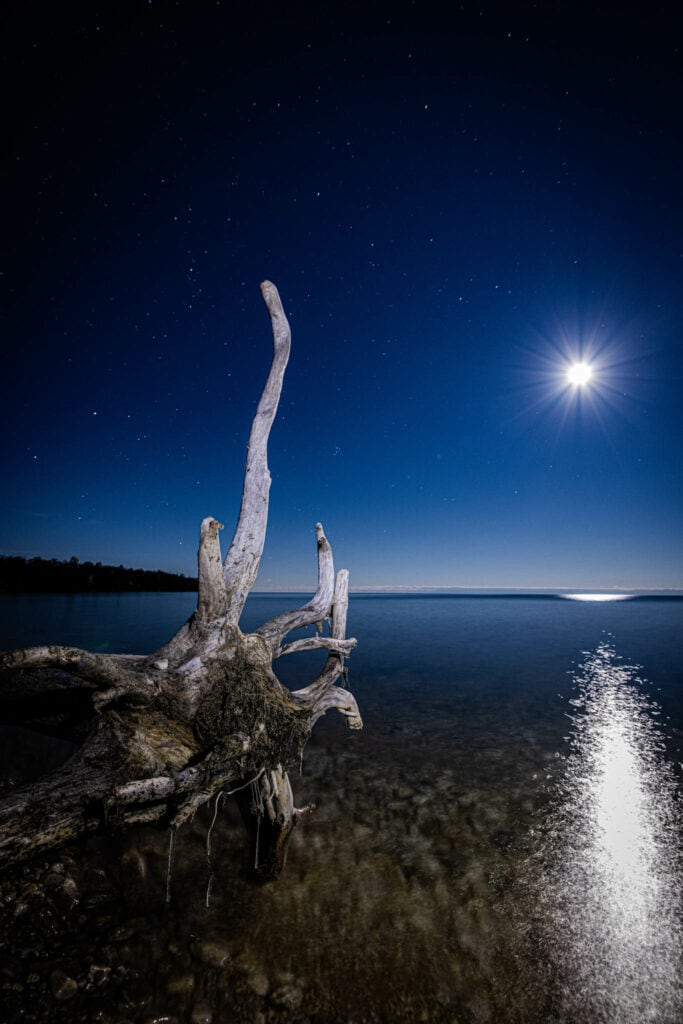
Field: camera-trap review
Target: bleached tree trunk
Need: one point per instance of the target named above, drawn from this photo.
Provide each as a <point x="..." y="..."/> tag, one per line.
<point x="204" y="714"/>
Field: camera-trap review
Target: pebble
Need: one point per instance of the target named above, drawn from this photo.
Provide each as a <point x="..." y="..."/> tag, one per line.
<point x="70" y="889"/>
<point x="361" y="833"/>
<point x="181" y="985"/>
<point x="209" y="951"/>
<point x="128" y="929"/>
<point x="98" y="973"/>
<point x="62" y="986"/>
<point x="258" y="982"/>
<point x="288" y="996"/>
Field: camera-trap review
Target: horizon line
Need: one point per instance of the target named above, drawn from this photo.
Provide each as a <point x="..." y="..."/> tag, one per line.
<point x="412" y="588"/>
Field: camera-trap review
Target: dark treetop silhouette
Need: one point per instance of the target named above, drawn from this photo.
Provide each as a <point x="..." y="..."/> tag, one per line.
<point x="43" y="576"/>
<point x="202" y="715"/>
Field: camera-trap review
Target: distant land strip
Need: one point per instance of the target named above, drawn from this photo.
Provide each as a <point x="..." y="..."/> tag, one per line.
<point x="49" y="575"/>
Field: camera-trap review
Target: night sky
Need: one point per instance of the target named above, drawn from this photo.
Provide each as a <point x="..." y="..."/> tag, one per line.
<point x="454" y="208"/>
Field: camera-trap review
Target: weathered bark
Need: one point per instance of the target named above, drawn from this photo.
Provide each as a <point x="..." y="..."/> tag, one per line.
<point x="242" y="560"/>
<point x="203" y="715"/>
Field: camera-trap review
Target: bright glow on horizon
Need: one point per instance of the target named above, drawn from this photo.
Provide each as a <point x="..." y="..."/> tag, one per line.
<point x="597" y="597"/>
<point x="579" y="374"/>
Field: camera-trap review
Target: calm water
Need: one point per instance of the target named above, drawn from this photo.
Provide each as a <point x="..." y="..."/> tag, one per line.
<point x="501" y="843"/>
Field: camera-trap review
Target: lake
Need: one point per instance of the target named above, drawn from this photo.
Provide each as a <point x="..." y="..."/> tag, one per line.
<point x="501" y="843"/>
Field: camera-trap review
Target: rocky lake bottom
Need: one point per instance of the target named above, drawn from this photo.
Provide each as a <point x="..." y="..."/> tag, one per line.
<point x="397" y="903"/>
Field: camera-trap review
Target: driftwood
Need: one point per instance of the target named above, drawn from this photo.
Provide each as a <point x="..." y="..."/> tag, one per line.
<point x="163" y="734"/>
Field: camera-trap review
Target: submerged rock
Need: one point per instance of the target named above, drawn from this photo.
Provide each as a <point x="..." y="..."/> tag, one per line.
<point x="201" y="1014"/>
<point x="258" y="982"/>
<point x="212" y="952"/>
<point x="182" y="984"/>
<point x="62" y="985"/>
<point x="288" y="996"/>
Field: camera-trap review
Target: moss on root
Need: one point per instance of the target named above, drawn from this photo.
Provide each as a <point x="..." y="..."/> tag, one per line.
<point x="245" y="697"/>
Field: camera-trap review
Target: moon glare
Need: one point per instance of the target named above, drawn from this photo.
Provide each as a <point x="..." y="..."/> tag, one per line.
<point x="579" y="373"/>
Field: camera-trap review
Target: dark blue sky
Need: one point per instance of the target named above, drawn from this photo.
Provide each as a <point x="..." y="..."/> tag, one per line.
<point x="454" y="208"/>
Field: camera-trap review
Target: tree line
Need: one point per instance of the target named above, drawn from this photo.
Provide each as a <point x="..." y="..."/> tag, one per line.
<point x="35" y="575"/>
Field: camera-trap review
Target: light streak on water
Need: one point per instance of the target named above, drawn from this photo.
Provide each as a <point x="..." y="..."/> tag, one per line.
<point x="612" y="859"/>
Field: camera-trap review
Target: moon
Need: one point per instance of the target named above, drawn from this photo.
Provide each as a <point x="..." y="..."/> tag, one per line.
<point x="579" y="374"/>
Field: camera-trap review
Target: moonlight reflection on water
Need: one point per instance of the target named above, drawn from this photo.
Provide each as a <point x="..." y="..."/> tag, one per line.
<point x="613" y="845"/>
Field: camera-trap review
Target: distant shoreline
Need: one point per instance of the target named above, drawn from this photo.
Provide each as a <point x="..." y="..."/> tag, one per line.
<point x="51" y="576"/>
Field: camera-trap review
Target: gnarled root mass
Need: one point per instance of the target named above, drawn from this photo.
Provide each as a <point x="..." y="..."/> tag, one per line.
<point x="206" y="713"/>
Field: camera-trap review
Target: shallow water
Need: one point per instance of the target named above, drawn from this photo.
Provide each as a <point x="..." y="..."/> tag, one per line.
<point x="501" y="842"/>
